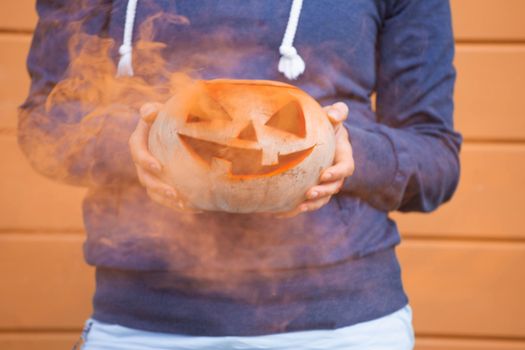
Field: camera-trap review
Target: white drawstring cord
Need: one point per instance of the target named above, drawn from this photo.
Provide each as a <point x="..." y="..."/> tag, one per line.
<point x="291" y="64"/>
<point x="125" y="66"/>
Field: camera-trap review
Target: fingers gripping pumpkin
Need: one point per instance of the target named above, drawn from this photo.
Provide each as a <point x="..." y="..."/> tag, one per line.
<point x="242" y="146"/>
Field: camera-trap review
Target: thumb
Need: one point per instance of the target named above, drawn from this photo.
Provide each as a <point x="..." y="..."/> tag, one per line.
<point x="337" y="112"/>
<point x="148" y="111"/>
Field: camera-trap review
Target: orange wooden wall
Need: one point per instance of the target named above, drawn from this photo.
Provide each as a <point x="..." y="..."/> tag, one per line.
<point x="464" y="265"/>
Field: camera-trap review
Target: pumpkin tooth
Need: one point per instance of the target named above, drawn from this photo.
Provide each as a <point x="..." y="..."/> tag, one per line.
<point x="270" y="157"/>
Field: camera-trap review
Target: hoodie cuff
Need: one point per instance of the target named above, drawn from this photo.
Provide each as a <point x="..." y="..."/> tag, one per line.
<point x="376" y="167"/>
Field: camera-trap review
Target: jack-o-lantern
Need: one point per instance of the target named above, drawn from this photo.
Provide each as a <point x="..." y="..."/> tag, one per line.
<point x="242" y="146"/>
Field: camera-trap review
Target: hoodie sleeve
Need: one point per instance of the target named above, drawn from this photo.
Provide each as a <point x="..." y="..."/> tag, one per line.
<point x="69" y="141"/>
<point x="408" y="160"/>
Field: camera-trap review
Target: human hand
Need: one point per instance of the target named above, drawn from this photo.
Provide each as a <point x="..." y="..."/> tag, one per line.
<point x="332" y="178"/>
<point x="149" y="169"/>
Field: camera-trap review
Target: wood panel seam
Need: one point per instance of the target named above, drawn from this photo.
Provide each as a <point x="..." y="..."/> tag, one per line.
<point x="5" y="30"/>
<point x="437" y="237"/>
<point x="468" y="337"/>
<point x="421" y="336"/>
<point x="12" y="132"/>
<point x="407" y="238"/>
<point x="481" y="41"/>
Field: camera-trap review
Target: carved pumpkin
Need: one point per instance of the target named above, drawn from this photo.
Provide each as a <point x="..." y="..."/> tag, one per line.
<point x="242" y="145"/>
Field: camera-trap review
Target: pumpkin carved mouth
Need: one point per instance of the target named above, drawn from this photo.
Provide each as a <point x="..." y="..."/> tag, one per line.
<point x="240" y="162"/>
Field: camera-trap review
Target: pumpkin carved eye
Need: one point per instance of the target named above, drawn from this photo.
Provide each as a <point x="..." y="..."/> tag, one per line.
<point x="290" y="119"/>
<point x="206" y="109"/>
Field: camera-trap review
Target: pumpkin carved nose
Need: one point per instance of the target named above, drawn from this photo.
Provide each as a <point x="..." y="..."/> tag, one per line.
<point x="248" y="133"/>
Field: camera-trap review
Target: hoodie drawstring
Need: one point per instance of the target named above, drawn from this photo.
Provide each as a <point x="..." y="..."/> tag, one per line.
<point x="291" y="64"/>
<point x="125" y="65"/>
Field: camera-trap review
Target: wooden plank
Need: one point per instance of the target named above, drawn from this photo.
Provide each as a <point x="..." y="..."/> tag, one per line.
<point x="455" y="288"/>
<point x="489" y="200"/>
<point x="45" y="282"/>
<point x="38" y="341"/>
<point x="489" y="95"/>
<point x="465" y="288"/>
<point x="426" y="343"/>
<point x="13" y="75"/>
<point x="472" y="19"/>
<point x="18" y="15"/>
<point x="487" y="20"/>
<point x="31" y="201"/>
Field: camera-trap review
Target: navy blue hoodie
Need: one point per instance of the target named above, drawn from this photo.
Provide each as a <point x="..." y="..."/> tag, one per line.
<point x="230" y="274"/>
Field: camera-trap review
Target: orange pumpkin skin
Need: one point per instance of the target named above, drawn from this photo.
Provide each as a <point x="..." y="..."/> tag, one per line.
<point x="242" y="146"/>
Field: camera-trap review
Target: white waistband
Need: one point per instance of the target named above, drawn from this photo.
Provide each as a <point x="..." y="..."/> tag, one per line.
<point x="390" y="332"/>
